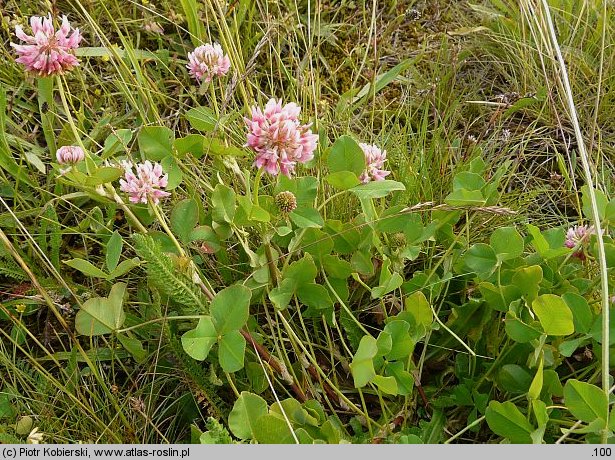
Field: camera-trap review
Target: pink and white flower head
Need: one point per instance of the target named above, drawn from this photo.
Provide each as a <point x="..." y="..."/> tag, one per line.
<point x="207" y="61"/>
<point x="279" y="139"/>
<point x="70" y="155"/>
<point x="146" y="184"/>
<point x="47" y="51"/>
<point x="375" y="158"/>
<point x="578" y="234"/>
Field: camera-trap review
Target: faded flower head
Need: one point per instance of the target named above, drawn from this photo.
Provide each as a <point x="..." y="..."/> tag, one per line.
<point x="153" y="27"/>
<point x="578" y="234"/>
<point x="279" y="139"/>
<point x="146" y="183"/>
<point x="207" y="61"/>
<point x="47" y="51"/>
<point x="398" y="240"/>
<point x="35" y="437"/>
<point x="286" y="201"/>
<point x="70" y="155"/>
<point x="375" y="158"/>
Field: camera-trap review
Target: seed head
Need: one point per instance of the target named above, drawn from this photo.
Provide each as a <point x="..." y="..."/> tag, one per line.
<point x="286" y="202"/>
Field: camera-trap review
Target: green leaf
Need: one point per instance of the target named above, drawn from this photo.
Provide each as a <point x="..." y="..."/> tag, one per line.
<point x="306" y="218"/>
<point x="317" y="243"/>
<point x="466" y="180"/>
<point x="336" y="267"/>
<point x="6" y="408"/>
<point x="499" y="297"/>
<point x="256" y="376"/>
<point x="507" y="243"/>
<point x="518" y="330"/>
<point x="124" y="267"/>
<point x="554" y="315"/>
<point x="362" y="366"/>
<point x="295" y="412"/>
<point x="506" y="420"/>
<point x="314" y="295"/>
<point x="346" y="155"/>
<point x="155" y="142"/>
<point x="86" y="268"/>
<point x="192" y="143"/>
<point x="465" y="197"/>
<point x="405" y="381"/>
<point x="205" y="234"/>
<point x="197" y="342"/>
<point x="528" y="279"/>
<point x="230" y="308"/>
<point x="514" y="378"/>
<point x="116" y="142"/>
<point x="223" y="201"/>
<point x="539" y="241"/>
<point x="270" y="429"/>
<point x="281" y="295"/>
<point x="388" y="281"/>
<point x="170" y="166"/>
<point x="601" y="201"/>
<point x="184" y="217"/>
<point x="581" y="312"/>
<point x="377" y="189"/>
<point x="102" y="315"/>
<point x="539" y="408"/>
<point x="609" y="213"/>
<point x="343" y="180"/>
<point x="585" y="401"/>
<point x="402" y="344"/>
<point x="133" y="346"/>
<point x="543" y="246"/>
<point x="114" y="251"/>
<point x="304" y="188"/>
<point x="481" y="259"/>
<point x="387" y="385"/>
<point x="217" y="147"/>
<point x="201" y="118"/>
<point x="104" y="174"/>
<point x="418" y="306"/>
<point x="536" y="386"/>
<point x="361" y="261"/>
<point x="231" y="351"/>
<point x="384" y="343"/>
<point x="242" y="420"/>
<point x="258" y="214"/>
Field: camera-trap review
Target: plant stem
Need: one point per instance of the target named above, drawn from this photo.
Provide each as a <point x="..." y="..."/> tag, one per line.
<point x="45" y="103"/>
<point x="162" y="221"/>
<point x="71" y="122"/>
<point x="257" y="183"/>
<point x="135" y="221"/>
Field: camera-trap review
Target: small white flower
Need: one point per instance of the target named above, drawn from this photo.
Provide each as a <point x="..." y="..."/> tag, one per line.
<point x="35" y="437"/>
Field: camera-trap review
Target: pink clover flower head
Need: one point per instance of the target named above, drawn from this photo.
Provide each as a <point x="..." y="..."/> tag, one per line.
<point x="47" y="51"/>
<point x="146" y="184"/>
<point x="578" y="234"/>
<point x="375" y="158"/>
<point x="207" y="61"/>
<point x="278" y="138"/>
<point x="70" y="155"/>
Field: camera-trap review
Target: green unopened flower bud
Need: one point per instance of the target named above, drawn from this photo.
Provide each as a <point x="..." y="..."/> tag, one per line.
<point x="286" y="201"/>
